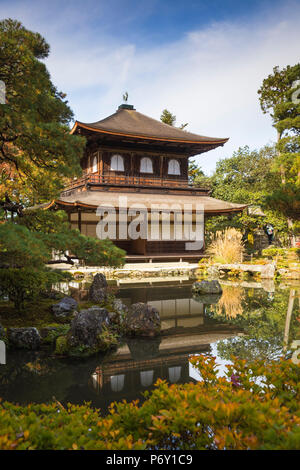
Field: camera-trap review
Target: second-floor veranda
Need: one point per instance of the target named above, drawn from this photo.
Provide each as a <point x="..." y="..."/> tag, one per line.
<point x="96" y="181"/>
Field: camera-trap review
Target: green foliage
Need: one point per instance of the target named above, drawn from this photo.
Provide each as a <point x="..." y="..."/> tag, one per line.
<point x="21" y="284"/>
<point x="270" y="252"/>
<point x="19" y="247"/>
<point x="194" y="172"/>
<point x="108" y="339"/>
<point x="53" y="228"/>
<point x="255" y="406"/>
<point x="36" y="312"/>
<point x="168" y="118"/>
<point x="37" y="149"/>
<point x="197" y="176"/>
<point x="24" y="252"/>
<point x="55" y="333"/>
<point x="61" y="345"/>
<point x="277" y="97"/>
<point x="245" y="178"/>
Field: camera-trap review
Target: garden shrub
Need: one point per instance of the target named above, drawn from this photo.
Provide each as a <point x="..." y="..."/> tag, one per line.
<point x="56" y="332"/>
<point x="271" y="252"/>
<point x="227" y="246"/>
<point x="255" y="406"/>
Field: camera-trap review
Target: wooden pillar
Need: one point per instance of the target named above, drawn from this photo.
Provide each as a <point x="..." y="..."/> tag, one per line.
<point x="131" y="172"/>
<point x="161" y="168"/>
<point x="79" y="220"/>
<point x="101" y="166"/>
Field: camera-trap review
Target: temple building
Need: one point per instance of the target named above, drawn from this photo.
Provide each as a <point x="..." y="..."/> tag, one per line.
<point x="132" y="160"/>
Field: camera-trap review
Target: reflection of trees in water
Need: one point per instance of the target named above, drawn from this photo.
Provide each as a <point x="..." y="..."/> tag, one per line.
<point x="270" y="327"/>
<point x="230" y="304"/>
<point x="250" y="348"/>
<point x="31" y="376"/>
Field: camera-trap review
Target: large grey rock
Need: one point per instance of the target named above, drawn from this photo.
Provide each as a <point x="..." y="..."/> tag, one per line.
<point x="98" y="289"/>
<point x="142" y="320"/>
<point x="207" y="287"/>
<point x="64" y="307"/>
<point x="24" y="338"/>
<point x="86" y="327"/>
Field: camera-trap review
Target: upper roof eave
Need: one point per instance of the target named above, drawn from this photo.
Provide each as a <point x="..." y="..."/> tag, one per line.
<point x="79" y="124"/>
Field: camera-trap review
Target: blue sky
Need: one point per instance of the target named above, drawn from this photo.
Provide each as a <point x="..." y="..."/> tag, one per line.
<point x="203" y="60"/>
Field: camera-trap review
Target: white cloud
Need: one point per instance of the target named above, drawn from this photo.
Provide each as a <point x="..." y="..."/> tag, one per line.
<point x="208" y="78"/>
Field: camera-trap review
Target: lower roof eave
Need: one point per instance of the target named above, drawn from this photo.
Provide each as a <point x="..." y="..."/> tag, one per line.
<point x="93" y="207"/>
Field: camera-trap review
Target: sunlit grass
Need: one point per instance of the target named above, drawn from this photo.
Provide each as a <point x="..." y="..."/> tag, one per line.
<point x="227" y="247"/>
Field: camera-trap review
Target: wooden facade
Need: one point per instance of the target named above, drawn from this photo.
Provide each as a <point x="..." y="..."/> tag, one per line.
<point x="133" y="155"/>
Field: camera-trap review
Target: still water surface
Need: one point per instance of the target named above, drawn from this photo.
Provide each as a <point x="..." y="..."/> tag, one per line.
<point x="250" y="320"/>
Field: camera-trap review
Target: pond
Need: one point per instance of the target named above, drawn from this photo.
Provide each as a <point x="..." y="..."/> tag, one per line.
<point x="250" y="320"/>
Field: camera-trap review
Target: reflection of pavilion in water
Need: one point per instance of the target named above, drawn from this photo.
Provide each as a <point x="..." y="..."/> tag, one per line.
<point x="182" y="311"/>
<point x="137" y="365"/>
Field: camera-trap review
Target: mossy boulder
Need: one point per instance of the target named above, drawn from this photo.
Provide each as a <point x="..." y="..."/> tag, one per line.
<point x="87" y="325"/>
<point x="24" y="338"/>
<point x="89" y="334"/>
<point x="98" y="289"/>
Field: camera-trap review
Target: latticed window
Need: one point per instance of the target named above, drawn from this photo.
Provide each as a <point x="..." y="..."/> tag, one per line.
<point x="117" y="163"/>
<point x="146" y="165"/>
<point x="173" y="167"/>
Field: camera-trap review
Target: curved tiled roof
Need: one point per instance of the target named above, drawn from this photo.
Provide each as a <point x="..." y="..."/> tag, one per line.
<point x="128" y="122"/>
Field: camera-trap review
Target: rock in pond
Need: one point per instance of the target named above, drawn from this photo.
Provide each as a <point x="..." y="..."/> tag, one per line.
<point x="24" y="338"/>
<point x="120" y="310"/>
<point x="86" y="327"/>
<point x="97" y="292"/>
<point x="142" y="320"/>
<point x="207" y="287"/>
<point x="64" y="307"/>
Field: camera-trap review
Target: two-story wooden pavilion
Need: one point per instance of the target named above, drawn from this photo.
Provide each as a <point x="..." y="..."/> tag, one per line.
<point x="133" y="155"/>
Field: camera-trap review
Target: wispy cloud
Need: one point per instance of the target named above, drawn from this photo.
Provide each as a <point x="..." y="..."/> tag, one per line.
<point x="209" y="77"/>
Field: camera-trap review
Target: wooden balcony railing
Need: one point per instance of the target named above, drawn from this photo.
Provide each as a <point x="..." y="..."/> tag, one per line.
<point x="109" y="180"/>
